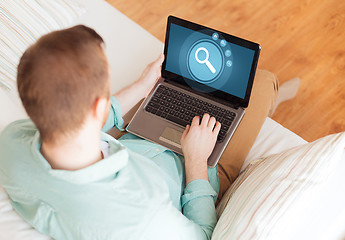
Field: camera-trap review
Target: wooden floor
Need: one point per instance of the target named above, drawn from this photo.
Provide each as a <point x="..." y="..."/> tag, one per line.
<point x="299" y="38"/>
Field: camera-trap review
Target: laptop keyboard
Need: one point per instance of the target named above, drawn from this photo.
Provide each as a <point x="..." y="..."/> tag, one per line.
<point x="180" y="108"/>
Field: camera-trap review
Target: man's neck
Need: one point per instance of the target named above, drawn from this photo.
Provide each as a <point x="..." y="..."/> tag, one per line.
<point x="74" y="152"/>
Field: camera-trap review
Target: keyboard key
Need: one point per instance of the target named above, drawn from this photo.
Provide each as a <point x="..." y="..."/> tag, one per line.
<point x="225" y="128"/>
<point x="160" y="89"/>
<point x="154" y="105"/>
<point x="177" y="120"/>
<point x="154" y="99"/>
<point x="229" y="118"/>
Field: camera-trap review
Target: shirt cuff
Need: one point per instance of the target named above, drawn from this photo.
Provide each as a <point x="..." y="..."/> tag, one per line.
<point x="196" y="189"/>
<point x="114" y="117"/>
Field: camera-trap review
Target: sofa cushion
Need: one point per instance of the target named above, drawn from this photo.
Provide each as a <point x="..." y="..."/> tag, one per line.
<point x="22" y="22"/>
<point x="269" y="197"/>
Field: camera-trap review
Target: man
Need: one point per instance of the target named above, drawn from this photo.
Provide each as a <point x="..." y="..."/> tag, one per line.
<point x="70" y="180"/>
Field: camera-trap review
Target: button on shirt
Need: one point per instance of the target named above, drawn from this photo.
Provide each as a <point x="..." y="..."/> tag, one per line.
<point x="137" y="192"/>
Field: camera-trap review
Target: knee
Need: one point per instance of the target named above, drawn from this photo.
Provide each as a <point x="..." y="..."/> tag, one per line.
<point x="266" y="85"/>
<point x="268" y="79"/>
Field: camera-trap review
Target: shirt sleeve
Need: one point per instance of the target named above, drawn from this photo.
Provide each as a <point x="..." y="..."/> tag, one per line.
<point x="114" y="117"/>
<point x="198" y="205"/>
<point x="197" y="221"/>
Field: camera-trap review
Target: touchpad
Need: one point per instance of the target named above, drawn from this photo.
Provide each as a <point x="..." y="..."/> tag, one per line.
<point x="171" y="136"/>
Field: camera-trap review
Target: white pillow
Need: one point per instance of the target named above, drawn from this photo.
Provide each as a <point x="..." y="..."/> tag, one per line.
<point x="24" y="21"/>
<point x="12" y="225"/>
<point x="268" y="198"/>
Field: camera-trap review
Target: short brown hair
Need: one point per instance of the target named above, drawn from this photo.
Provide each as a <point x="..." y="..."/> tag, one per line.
<point x="60" y="77"/>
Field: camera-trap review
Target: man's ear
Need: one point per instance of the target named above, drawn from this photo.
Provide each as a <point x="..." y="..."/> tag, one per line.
<point x="100" y="107"/>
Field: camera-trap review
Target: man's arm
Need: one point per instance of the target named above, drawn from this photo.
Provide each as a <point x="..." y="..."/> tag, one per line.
<point x="125" y="99"/>
<point x="197" y="142"/>
<point x="131" y="95"/>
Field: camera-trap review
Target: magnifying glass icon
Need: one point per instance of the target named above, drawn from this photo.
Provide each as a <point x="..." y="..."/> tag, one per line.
<point x="208" y="64"/>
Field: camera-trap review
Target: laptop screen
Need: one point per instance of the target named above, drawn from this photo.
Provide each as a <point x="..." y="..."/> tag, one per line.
<point x="210" y="61"/>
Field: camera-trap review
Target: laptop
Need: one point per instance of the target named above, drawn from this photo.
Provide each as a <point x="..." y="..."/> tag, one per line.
<point x="204" y="71"/>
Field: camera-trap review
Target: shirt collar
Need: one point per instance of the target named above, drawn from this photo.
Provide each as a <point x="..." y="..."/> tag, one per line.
<point x="104" y="168"/>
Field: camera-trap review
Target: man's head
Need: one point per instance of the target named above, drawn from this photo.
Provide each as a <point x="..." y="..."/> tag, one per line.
<point x="61" y="78"/>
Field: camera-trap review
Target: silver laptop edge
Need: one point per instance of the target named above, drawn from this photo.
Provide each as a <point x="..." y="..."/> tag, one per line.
<point x="167" y="133"/>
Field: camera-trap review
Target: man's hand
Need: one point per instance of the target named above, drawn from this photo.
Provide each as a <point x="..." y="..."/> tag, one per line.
<point x="197" y="142"/>
<point x="150" y="75"/>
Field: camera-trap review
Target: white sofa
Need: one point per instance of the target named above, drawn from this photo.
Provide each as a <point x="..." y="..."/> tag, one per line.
<point x="129" y="49"/>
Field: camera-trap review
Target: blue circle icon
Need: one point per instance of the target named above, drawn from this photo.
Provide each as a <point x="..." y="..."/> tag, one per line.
<point x="215" y="36"/>
<point x="205" y="61"/>
<point x="223" y="43"/>
<point x="228" y="63"/>
<point x="228" y="53"/>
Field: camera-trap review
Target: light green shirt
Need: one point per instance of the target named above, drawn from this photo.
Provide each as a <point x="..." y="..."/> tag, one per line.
<point x="138" y="192"/>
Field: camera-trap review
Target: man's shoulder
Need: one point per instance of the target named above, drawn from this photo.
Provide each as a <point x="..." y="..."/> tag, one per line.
<point x="15" y="136"/>
<point x="18" y="128"/>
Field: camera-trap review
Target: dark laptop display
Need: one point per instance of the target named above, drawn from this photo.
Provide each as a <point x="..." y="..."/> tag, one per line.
<point x="210" y="61"/>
